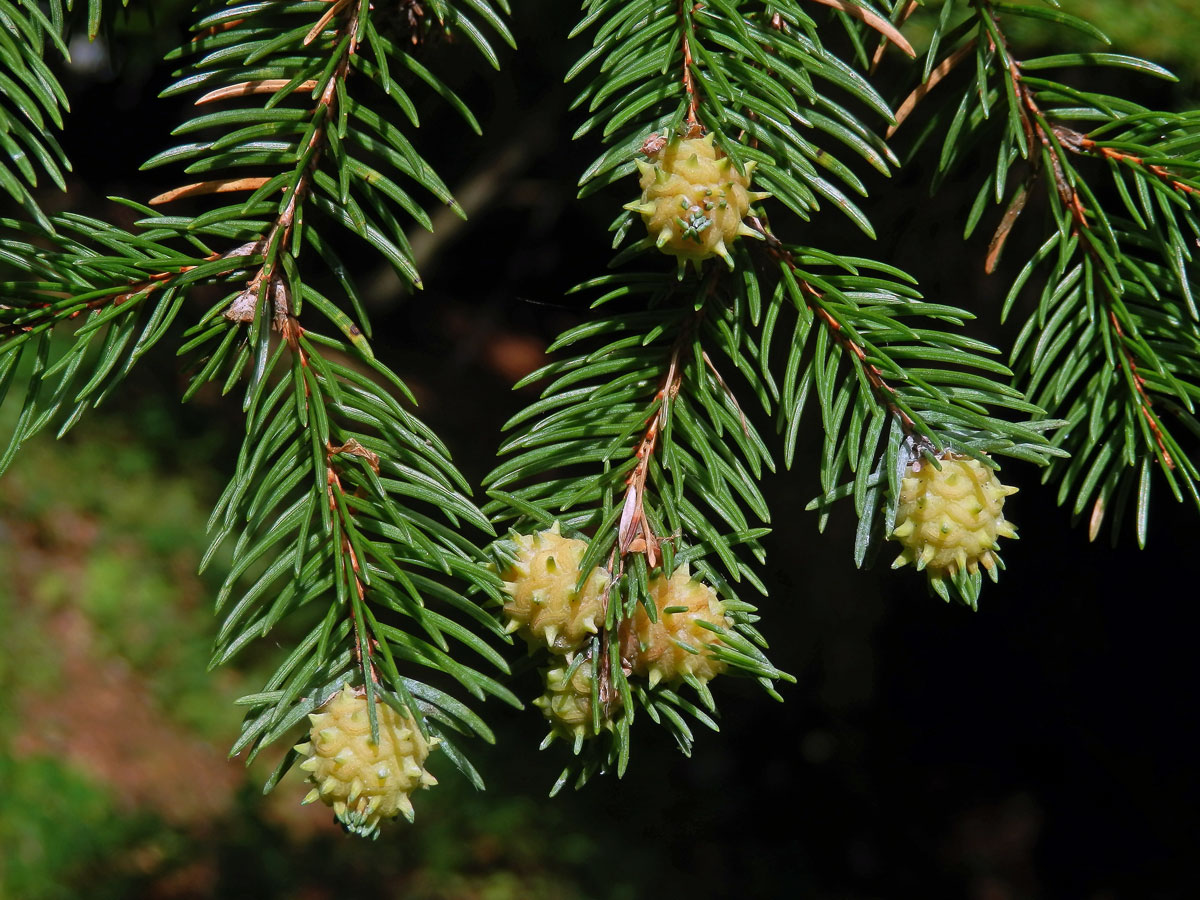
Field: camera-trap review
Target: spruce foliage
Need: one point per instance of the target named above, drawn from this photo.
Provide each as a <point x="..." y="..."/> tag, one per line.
<point x="344" y="510"/>
<point x="662" y="412"/>
<point x="1110" y="345"/>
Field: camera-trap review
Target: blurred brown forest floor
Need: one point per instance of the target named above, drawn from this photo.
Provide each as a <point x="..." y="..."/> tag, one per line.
<point x="1040" y="748"/>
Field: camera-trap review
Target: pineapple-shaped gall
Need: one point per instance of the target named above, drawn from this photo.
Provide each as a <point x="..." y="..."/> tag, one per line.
<point x="950" y="519"/>
<point x="693" y="200"/>
<point x="676" y="644"/>
<point x="362" y="780"/>
<point x="567" y="703"/>
<point x="542" y="601"/>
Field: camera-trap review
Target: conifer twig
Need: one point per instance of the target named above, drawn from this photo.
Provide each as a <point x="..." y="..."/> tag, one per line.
<point x="244" y="307"/>
<point x="694" y="127"/>
<point x="1113" y="340"/>
<point x="1034" y="123"/>
<point x="884" y="392"/>
<point x="1080" y="143"/>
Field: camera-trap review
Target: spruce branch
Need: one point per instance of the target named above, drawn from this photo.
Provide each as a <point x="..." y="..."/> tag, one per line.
<point x="748" y="81"/>
<point x="127" y="288"/>
<point x="32" y="103"/>
<point x="753" y="74"/>
<point x="340" y="161"/>
<point x="637" y="478"/>
<point x="343" y="515"/>
<point x="1111" y="345"/>
<point x="650" y="407"/>
<point x="344" y="506"/>
<point x="885" y="394"/>
<point x="881" y="412"/>
<point x="329" y="492"/>
<point x="640" y="443"/>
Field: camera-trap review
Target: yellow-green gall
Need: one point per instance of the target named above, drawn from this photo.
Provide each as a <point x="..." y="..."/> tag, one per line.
<point x="677" y="643"/>
<point x="950" y="519"/>
<point x="543" y="603"/>
<point x="567" y="703"/>
<point x="363" y="780"/>
<point x="694" y="199"/>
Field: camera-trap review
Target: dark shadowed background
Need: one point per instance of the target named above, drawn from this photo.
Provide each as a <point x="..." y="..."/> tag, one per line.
<point x="1043" y="747"/>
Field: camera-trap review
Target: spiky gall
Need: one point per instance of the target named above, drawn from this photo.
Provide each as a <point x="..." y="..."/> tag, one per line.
<point x="694" y="199"/>
<point x="543" y="603"/>
<point x="950" y="519"/>
<point x="678" y="643"/>
<point x="365" y="781"/>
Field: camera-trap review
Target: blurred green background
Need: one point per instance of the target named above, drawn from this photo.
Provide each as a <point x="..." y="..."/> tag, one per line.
<point x="1040" y="748"/>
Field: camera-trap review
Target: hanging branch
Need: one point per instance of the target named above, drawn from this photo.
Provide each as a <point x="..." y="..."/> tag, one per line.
<point x="338" y="491"/>
<point x="637" y="436"/>
<point x="125" y="289"/>
<point x="342" y="519"/>
<point x="1113" y="342"/>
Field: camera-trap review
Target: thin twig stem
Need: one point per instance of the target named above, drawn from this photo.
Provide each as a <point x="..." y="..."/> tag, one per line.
<point x="884" y="392"/>
<point x="263" y="283"/>
<point x="685" y="10"/>
<point x="1079" y="143"/>
<point x="1144" y="403"/>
